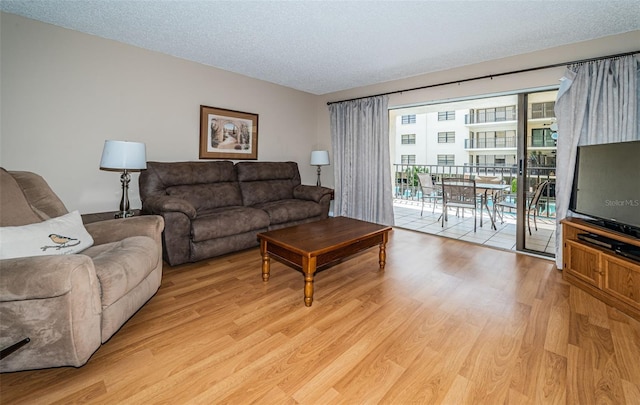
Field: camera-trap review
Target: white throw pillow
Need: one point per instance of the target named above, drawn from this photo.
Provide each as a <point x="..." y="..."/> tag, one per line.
<point x="63" y="235"/>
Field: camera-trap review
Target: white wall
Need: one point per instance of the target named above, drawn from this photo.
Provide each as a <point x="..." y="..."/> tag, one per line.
<point x="63" y="93"/>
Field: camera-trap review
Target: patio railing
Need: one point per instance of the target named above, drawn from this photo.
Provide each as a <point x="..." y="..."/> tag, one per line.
<point x="406" y="185"/>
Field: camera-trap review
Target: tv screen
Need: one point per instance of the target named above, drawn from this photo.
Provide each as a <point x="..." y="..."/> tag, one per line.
<point x="606" y="184"/>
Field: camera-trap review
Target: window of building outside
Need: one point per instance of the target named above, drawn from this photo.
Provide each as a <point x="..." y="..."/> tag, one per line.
<point x="496" y="114"/>
<point x="408" y="159"/>
<point x="409" y="139"/>
<point x="446" y="115"/>
<point x="483" y="160"/>
<point x="446" y="137"/>
<point x="543" y="110"/>
<point x="408" y="119"/>
<point x="491" y="160"/>
<point x="541" y="137"/>
<point x="495" y="139"/>
<point x="446" y="160"/>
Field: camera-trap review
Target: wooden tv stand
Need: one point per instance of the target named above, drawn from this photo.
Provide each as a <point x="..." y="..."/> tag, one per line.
<point x="598" y="270"/>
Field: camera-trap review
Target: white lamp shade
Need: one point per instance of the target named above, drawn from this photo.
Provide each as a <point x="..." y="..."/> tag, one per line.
<point x="123" y="155"/>
<point x="319" y="158"/>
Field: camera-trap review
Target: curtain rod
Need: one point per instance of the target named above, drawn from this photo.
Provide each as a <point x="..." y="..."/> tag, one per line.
<point x="489" y="76"/>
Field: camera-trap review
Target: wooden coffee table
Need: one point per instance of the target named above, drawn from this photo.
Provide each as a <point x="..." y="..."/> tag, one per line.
<point x="313" y="245"/>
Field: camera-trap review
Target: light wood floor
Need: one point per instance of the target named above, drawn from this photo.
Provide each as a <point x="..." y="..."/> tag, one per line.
<point x="447" y="322"/>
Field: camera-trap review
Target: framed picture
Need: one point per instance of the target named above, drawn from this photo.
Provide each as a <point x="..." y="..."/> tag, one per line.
<point x="228" y="134"/>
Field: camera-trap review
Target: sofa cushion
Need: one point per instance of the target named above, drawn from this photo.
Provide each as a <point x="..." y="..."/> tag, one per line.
<point x="261" y="182"/>
<point x="284" y="211"/>
<point x="258" y="192"/>
<point x="208" y="196"/>
<point x="121" y="266"/>
<point x="64" y="235"/>
<point x="161" y="175"/>
<point x="228" y="221"/>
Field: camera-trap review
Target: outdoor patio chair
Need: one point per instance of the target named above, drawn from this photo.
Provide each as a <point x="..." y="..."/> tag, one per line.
<point x="430" y="191"/>
<point x="459" y="193"/>
<point x="508" y="201"/>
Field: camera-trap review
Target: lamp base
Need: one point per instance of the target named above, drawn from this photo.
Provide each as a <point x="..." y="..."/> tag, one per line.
<point x="124" y="214"/>
<point x="318" y="184"/>
<point x="124" y="202"/>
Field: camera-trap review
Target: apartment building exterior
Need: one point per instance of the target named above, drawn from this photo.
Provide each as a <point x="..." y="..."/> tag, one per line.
<point x="480" y="132"/>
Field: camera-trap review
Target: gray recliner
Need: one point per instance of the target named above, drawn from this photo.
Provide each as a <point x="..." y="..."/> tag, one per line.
<point x="67" y="305"/>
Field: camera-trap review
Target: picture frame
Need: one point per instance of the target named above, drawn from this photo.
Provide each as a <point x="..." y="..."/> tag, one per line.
<point x="228" y="134"/>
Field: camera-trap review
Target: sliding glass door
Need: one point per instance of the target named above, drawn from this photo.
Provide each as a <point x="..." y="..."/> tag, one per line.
<point x="537" y="157"/>
<point x="503" y="139"/>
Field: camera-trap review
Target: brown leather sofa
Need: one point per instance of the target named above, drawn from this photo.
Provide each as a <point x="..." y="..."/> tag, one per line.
<point x="68" y="304"/>
<point x="217" y="207"/>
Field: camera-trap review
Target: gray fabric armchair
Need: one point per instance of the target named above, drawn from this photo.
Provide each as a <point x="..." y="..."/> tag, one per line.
<point x="67" y="305"/>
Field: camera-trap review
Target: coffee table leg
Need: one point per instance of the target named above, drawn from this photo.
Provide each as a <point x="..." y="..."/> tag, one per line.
<point x="309" y="269"/>
<point x="266" y="268"/>
<point x="382" y="256"/>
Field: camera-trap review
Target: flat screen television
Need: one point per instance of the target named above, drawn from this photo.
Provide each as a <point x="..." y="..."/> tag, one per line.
<point x="606" y="185"/>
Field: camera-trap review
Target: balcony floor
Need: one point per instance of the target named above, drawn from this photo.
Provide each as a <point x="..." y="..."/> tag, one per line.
<point x="407" y="216"/>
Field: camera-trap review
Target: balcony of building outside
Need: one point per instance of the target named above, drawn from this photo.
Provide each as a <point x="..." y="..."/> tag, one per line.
<point x="508" y="142"/>
<point x="483" y="117"/>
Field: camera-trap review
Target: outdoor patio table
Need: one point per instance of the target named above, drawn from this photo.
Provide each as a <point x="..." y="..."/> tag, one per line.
<point x="484" y="198"/>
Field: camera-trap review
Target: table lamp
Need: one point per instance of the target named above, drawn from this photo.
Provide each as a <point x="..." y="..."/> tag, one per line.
<point x="319" y="158"/>
<point x="125" y="156"/>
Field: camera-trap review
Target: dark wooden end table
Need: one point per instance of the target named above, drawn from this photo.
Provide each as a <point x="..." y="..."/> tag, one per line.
<point x="313" y="245"/>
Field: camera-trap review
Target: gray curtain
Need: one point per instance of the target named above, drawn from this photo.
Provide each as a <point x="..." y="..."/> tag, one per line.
<point x="360" y="137"/>
<point x="598" y="102"/>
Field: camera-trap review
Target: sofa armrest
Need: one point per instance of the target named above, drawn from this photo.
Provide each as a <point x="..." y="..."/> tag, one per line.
<point x="159" y="204"/>
<point x="40" y="277"/>
<point x="312" y="193"/>
<point x="114" y="230"/>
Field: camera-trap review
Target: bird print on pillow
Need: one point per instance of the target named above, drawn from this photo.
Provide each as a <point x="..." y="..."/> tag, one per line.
<point x="61" y="242"/>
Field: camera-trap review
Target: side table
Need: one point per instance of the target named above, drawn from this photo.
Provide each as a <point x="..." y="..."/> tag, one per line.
<point x="103" y="216"/>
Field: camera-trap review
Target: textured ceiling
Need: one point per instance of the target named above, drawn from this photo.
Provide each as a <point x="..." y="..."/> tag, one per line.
<point x="325" y="46"/>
